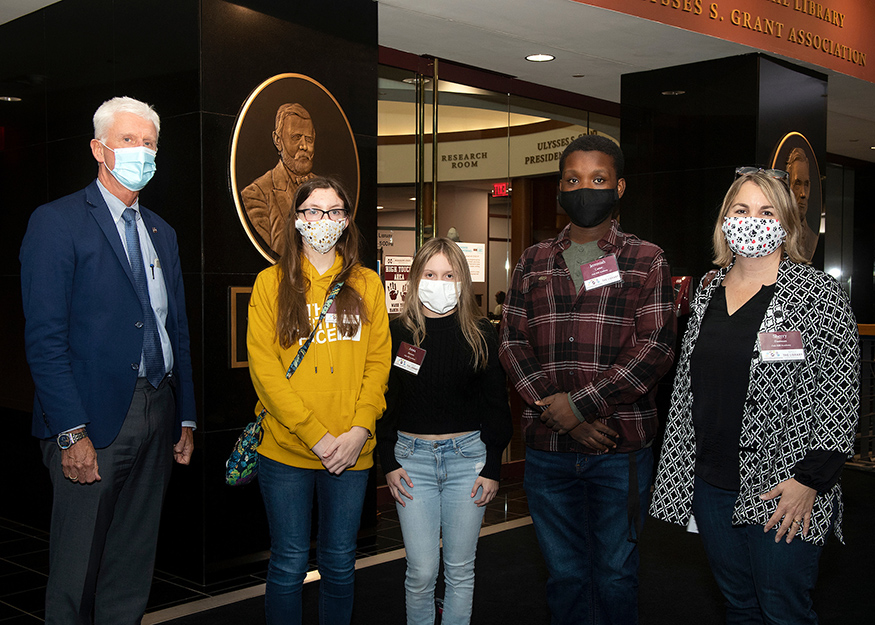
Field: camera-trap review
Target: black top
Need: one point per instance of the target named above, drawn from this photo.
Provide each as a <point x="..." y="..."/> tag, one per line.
<point x="720" y="372"/>
<point x="447" y="395"/>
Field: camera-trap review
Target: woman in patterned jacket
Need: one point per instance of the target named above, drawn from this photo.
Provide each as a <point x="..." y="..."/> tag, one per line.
<point x="764" y="408"/>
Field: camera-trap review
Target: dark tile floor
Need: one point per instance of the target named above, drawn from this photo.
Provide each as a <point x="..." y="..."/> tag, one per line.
<point x="24" y="557"/>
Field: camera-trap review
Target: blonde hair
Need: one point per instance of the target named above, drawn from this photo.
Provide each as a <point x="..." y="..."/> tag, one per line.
<point x="468" y="314"/>
<point x="779" y="196"/>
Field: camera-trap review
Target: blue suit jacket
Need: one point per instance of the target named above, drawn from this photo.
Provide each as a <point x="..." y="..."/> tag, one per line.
<point x="82" y="335"/>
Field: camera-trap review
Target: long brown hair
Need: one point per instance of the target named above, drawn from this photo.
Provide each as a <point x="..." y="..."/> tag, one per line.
<point x="468" y="314"/>
<point x="292" y="318"/>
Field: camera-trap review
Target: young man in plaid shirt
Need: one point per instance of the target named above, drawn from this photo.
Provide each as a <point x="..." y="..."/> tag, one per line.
<point x="588" y="331"/>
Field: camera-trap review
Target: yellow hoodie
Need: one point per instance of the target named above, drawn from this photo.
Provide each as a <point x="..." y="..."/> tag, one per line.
<point x="340" y="383"/>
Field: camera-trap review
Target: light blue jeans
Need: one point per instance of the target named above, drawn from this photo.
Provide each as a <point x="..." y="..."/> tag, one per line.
<point x="443" y="474"/>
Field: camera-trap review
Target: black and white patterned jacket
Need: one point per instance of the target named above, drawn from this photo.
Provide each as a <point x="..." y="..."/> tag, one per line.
<point x="791" y="407"/>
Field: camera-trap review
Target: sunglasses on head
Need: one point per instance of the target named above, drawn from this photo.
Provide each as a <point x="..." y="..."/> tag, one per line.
<point x="780" y="174"/>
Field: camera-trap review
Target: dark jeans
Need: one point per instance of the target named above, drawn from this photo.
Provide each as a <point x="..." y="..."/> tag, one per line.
<point x="579" y="506"/>
<point x="764" y="582"/>
<point x="288" y="498"/>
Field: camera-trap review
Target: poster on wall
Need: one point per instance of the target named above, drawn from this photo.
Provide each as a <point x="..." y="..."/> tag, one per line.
<point x="795" y="155"/>
<point x="289" y="130"/>
<point x="475" y="253"/>
<point x="396" y="273"/>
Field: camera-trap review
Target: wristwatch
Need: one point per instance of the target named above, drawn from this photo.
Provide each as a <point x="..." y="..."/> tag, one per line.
<point x="67" y="439"/>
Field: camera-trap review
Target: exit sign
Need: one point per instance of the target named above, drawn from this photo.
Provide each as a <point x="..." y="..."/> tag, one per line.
<point x="499" y="189"/>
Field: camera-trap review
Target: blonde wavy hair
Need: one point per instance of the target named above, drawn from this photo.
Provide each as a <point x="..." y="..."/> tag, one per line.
<point x="468" y="313"/>
<point x="779" y="196"/>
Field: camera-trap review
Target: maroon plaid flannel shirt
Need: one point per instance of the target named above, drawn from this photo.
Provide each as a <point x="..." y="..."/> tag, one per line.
<point x="607" y="347"/>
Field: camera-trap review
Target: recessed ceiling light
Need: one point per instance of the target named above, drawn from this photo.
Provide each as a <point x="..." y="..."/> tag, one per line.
<point x="674" y="92"/>
<point x="413" y="199"/>
<point x="9" y="98"/>
<point x="379" y="208"/>
<point x="540" y="58"/>
<point x="415" y="81"/>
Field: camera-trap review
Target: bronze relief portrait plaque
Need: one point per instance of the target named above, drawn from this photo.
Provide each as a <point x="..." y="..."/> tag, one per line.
<point x="795" y="155"/>
<point x="289" y="129"/>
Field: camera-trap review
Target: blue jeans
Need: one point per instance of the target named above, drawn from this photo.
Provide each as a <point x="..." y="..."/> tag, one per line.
<point x="288" y="498"/>
<point x="443" y="474"/>
<point x="580" y="509"/>
<point x="762" y="581"/>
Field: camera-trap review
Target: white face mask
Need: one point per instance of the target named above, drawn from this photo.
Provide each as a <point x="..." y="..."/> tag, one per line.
<point x="753" y="237"/>
<point x="321" y="235"/>
<point x="439" y="296"/>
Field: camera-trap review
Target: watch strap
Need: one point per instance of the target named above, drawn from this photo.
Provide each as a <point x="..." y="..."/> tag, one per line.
<point x="71" y="438"/>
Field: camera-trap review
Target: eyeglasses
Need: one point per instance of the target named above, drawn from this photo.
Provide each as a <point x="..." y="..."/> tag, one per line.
<point x="780" y="174"/>
<point x="314" y="214"/>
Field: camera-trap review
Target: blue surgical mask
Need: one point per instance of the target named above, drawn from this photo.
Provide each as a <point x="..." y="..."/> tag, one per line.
<point x="134" y="167"/>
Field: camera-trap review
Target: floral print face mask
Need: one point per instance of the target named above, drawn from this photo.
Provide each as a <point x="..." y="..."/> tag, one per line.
<point x="321" y="235"/>
<point x="753" y="237"/>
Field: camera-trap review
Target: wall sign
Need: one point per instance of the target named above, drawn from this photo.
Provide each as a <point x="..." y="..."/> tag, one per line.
<point x="396" y="273"/>
<point x="238" y="302"/>
<point x="836" y="34"/>
<point x="475" y="254"/>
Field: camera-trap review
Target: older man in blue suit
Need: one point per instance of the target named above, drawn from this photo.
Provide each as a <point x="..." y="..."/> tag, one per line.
<point x="108" y="347"/>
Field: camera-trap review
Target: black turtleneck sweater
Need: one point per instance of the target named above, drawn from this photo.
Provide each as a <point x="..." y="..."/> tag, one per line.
<point x="447" y="395"/>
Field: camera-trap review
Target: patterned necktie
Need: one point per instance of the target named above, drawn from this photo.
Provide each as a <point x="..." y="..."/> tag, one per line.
<point x="153" y="357"/>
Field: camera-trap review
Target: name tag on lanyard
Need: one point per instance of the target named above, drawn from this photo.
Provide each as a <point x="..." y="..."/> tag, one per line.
<point x="409" y="358"/>
<point x="601" y="272"/>
<point x="780" y="346"/>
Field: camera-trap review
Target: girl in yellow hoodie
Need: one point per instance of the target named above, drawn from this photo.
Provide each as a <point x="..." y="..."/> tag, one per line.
<point x="319" y="426"/>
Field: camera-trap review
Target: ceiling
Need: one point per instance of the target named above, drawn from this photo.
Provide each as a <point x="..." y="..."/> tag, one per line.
<point x="598" y="44"/>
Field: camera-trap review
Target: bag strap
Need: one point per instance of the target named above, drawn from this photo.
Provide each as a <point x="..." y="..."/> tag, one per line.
<point x="303" y="351"/>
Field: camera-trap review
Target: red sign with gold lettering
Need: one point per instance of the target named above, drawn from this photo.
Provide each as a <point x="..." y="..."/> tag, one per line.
<point x="835" y="34"/>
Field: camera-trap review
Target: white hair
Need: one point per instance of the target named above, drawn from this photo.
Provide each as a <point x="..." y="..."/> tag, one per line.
<point x="105" y="114"/>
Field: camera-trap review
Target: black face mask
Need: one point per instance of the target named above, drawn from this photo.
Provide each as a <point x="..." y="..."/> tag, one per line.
<point x="588" y="207"/>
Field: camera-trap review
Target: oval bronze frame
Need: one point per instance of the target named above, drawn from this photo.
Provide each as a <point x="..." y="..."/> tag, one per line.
<point x="814" y="173"/>
<point x="263" y="248"/>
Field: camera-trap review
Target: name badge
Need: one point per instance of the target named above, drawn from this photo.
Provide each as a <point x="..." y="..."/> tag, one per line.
<point x="601" y="272"/>
<point x="780" y="346"/>
<point x="409" y="358"/>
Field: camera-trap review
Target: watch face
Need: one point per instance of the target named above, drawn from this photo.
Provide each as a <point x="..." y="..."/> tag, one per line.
<point x="66" y="439"/>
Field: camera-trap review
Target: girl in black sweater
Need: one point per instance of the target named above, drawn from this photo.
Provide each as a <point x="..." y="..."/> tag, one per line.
<point x="446" y="424"/>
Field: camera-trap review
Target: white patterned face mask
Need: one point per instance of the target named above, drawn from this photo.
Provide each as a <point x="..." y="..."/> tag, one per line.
<point x="753" y="237"/>
<point x="321" y="235"/>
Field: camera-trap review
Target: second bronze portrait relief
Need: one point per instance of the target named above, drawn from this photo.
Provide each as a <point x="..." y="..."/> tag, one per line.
<point x="795" y="155"/>
<point x="289" y="130"/>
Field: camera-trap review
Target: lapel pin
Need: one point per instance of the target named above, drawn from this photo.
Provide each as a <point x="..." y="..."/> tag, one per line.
<point x="154" y="230"/>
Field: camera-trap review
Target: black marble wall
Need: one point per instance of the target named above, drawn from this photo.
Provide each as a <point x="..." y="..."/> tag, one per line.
<point x="196" y="61"/>
<point x="682" y="150"/>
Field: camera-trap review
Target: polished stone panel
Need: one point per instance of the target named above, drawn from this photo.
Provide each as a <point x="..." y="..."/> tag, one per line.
<point x="682" y="150"/>
<point x="68" y="58"/>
